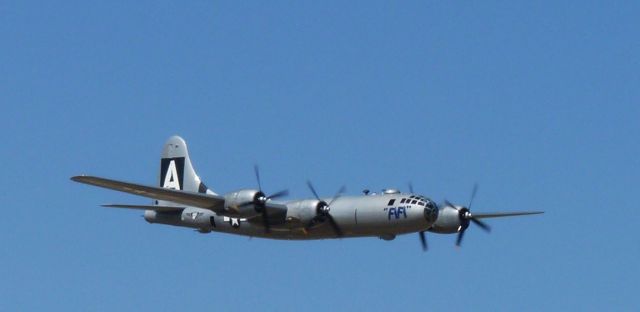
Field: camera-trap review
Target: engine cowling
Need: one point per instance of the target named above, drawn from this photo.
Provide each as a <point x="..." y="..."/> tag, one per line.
<point x="244" y="203"/>
<point x="305" y="211"/>
<point x="448" y="221"/>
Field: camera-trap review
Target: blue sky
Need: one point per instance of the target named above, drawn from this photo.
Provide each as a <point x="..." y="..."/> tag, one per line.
<point x="536" y="102"/>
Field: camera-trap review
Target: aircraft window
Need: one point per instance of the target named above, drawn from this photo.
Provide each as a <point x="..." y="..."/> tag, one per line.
<point x="414" y="201"/>
<point x="402" y="201"/>
<point x="411" y="196"/>
<point x="391" y="202"/>
<point x="421" y="203"/>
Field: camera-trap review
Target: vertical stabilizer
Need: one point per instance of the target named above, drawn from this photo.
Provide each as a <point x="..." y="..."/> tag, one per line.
<point x="176" y="170"/>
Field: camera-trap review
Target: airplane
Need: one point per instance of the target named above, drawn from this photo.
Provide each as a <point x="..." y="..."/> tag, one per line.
<point x="182" y="199"/>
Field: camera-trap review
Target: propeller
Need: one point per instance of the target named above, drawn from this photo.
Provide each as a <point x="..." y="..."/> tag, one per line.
<point x="260" y="200"/>
<point x="324" y="208"/>
<point x="465" y="216"/>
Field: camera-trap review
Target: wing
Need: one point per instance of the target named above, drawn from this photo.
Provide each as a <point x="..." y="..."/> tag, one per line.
<point x="207" y="201"/>
<point x="504" y="214"/>
<point x="276" y="212"/>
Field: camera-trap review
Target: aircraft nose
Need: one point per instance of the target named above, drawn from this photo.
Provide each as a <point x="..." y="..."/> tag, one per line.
<point x="431" y="211"/>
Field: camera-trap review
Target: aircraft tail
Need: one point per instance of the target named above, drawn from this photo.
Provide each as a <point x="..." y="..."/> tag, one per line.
<point x="176" y="170"/>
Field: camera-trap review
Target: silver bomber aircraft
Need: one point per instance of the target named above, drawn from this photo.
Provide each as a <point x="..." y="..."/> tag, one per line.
<point x="182" y="199"/>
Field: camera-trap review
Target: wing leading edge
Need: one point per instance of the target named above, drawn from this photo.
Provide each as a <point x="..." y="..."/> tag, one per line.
<point x="206" y="201"/>
<point x="146" y="207"/>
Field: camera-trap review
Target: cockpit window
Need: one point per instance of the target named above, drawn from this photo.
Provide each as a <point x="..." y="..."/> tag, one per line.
<point x="414" y="201"/>
<point x="421" y="203"/>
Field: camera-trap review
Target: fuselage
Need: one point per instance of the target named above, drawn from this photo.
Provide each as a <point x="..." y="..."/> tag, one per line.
<point x="383" y="215"/>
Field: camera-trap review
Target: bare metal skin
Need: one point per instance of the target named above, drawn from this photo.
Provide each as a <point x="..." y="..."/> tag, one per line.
<point x="182" y="199"/>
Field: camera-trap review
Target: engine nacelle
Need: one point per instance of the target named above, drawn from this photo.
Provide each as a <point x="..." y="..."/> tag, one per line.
<point x="243" y="203"/>
<point x="304" y="210"/>
<point x="448" y="221"/>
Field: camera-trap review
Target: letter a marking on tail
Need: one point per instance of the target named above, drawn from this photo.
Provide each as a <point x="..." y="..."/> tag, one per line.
<point x="171" y="178"/>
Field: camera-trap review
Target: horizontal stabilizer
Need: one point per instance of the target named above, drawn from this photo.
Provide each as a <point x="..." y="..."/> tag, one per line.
<point x="504" y="214"/>
<point x="207" y="201"/>
<point x="147" y="207"/>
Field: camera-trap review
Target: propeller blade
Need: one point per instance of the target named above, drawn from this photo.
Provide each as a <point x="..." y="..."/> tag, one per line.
<point x="338" y="194"/>
<point x="279" y="194"/>
<point x="481" y="224"/>
<point x="459" y="239"/>
<point x="473" y="195"/>
<point x="423" y="240"/>
<point x="257" y="172"/>
<point x="448" y="203"/>
<point x="334" y="225"/>
<point x="410" y="187"/>
<point x="313" y="190"/>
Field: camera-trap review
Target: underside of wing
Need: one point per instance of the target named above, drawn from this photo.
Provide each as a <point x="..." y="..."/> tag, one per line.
<point x="504" y="214"/>
<point x="207" y="201"/>
<point x="146" y="207"/>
